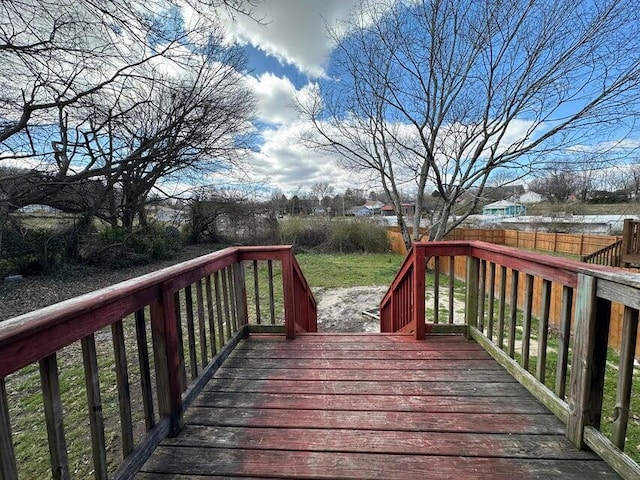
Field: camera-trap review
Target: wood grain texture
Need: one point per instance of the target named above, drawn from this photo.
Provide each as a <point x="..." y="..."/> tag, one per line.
<point x="358" y="413"/>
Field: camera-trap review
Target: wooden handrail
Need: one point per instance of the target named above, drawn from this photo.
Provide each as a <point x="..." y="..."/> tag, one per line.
<point x="196" y="312"/>
<point x="609" y="255"/>
<point x="514" y="281"/>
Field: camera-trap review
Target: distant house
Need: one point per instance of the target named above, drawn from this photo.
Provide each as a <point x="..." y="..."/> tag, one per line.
<point x="504" y="208"/>
<point x="387" y="211"/>
<point x="407" y="209"/>
<point x="374" y="207"/>
<point x="361" y="211"/>
<point x="530" y="197"/>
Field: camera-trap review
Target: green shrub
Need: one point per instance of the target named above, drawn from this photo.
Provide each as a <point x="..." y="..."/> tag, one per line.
<point x="118" y="248"/>
<point x="33" y="251"/>
<point x="343" y="236"/>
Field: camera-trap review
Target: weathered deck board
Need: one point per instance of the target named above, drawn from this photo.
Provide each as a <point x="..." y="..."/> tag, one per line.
<point x="368" y="406"/>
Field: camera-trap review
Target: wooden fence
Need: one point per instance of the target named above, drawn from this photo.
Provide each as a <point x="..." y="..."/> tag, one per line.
<point x="562" y="243"/>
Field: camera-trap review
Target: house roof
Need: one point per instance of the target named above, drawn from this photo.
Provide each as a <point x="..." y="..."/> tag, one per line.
<point x="502" y="204"/>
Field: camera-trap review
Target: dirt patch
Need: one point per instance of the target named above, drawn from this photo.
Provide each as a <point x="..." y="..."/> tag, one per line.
<point x="340" y="309"/>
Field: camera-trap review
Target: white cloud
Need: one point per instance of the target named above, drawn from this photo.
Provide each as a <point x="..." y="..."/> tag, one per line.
<point x="276" y="98"/>
<point x="285" y="163"/>
<point x="293" y="31"/>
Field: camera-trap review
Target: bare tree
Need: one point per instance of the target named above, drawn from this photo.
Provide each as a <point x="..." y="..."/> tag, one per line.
<point x="86" y="95"/>
<point x="556" y="185"/>
<point x="439" y="94"/>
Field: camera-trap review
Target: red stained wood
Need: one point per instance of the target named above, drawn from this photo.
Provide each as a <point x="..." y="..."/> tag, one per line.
<point x="507" y="387"/>
<point x="370" y="402"/>
<point x="495" y="374"/>
<point x="377" y="420"/>
<point x="319" y="408"/>
<point x="363" y="441"/>
<point x="340" y="465"/>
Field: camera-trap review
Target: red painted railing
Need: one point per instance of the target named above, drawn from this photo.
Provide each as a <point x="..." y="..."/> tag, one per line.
<point x="524" y="308"/>
<point x="196" y="312"/>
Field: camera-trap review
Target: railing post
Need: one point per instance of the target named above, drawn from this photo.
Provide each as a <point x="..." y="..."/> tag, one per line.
<point x="589" y="359"/>
<point x="419" y="292"/>
<point x="471" y="294"/>
<point x="8" y="469"/>
<point x="240" y="289"/>
<point x="164" y="329"/>
<point x="289" y="294"/>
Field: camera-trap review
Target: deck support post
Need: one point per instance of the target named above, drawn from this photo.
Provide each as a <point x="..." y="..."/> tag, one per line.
<point x="164" y="329"/>
<point x="471" y="294"/>
<point x="589" y="360"/>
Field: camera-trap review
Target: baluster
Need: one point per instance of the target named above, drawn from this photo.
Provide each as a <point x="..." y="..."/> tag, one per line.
<point x="501" y="306"/>
<point x="8" y="468"/>
<point x="471" y="307"/>
<point x="232" y="299"/>
<point x="188" y="298"/>
<point x="452" y="276"/>
<point x="543" y="332"/>
<point x="219" y="309"/>
<point x="145" y="370"/>
<point x="436" y="289"/>
<point x="256" y="291"/>
<point x="211" y="316"/>
<point x="492" y="293"/>
<point x="625" y="377"/>
<point x="482" y="293"/>
<point x="122" y="381"/>
<point x="202" y="325"/>
<point x="96" y="420"/>
<point x="53" y="417"/>
<point x="526" y="320"/>
<point x="565" y="336"/>
<point x="272" y="303"/>
<point x="513" y="317"/>
<point x="178" y="320"/>
<point x="225" y="301"/>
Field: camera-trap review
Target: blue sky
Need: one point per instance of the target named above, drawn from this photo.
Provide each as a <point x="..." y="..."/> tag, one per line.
<point x="286" y="54"/>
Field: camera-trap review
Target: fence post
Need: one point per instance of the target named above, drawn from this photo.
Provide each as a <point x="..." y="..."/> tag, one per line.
<point x="471" y="293"/>
<point x="164" y="330"/>
<point x="589" y="360"/>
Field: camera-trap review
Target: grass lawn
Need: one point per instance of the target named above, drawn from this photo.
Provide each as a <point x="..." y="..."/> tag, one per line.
<point x="349" y="270"/>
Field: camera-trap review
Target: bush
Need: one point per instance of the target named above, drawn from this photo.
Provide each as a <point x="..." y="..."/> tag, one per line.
<point x="34" y="251"/>
<point x="118" y="248"/>
<point x="336" y="236"/>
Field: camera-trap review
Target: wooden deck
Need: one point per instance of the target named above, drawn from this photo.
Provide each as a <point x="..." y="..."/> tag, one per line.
<point x="368" y="406"/>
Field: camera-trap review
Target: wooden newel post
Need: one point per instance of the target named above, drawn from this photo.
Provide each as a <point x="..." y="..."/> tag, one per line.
<point x="589" y="360"/>
<point x="419" y="268"/>
<point x="471" y="294"/>
<point x="164" y="329"/>
<point x="289" y="293"/>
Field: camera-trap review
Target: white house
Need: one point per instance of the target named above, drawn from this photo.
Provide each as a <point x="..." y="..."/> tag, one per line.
<point x="504" y="208"/>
